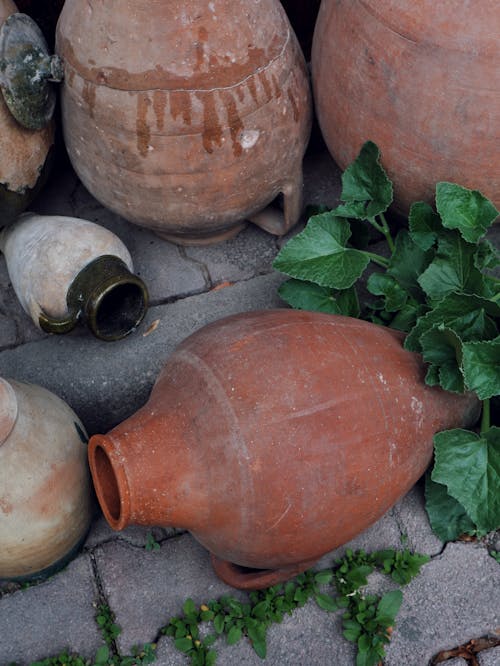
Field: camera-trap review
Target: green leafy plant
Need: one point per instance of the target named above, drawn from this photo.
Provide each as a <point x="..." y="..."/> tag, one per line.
<point x="367" y="619"/>
<point x="435" y="283"/>
<point x="495" y="555"/>
<point x="151" y="543"/>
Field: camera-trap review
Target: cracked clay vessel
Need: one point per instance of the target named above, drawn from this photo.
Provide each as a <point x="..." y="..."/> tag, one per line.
<point x="421" y="80"/>
<point x="186" y="117"/>
<point x="46" y="501"/>
<point x="274" y="437"/>
<point x="24" y="154"/>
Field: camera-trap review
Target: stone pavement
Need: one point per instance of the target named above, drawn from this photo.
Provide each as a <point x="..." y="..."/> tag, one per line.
<point x="455" y="598"/>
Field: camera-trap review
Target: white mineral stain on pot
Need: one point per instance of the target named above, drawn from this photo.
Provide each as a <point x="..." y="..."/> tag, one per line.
<point x="248" y="138"/>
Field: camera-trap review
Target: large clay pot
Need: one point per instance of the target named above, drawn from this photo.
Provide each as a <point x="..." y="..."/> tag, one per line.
<point x="25" y="154"/>
<point x="274" y="437"/>
<point x="46" y="502"/>
<point x="186" y="117"/>
<point x="421" y="80"/>
<point x="65" y="269"/>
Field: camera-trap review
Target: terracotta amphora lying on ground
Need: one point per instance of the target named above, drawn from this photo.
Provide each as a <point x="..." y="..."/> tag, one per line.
<point x="274" y="437"/>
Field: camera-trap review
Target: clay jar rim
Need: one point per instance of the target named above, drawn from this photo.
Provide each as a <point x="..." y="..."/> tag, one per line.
<point x="110" y="481"/>
<point x="8" y="410"/>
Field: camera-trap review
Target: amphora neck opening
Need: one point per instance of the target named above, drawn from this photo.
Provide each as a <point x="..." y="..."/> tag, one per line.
<point x="110" y="484"/>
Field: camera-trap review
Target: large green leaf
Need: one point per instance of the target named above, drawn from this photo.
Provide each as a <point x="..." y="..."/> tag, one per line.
<point x="309" y="296"/>
<point x="481" y="364"/>
<point x="469" y="466"/>
<point x="319" y="254"/>
<point x="466" y="210"/>
<point x="487" y="255"/>
<point x="388" y="607"/>
<point x="365" y="187"/>
<point x="424" y="224"/>
<point x="408" y="262"/>
<point x="447" y="517"/>
<point x="468" y="315"/>
<point x="442" y="348"/>
<point x="381" y="284"/>
<point x="453" y="269"/>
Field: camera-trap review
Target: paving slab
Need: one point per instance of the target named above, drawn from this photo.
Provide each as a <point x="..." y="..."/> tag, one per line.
<point x="51" y="617"/>
<point x="146" y="589"/>
<point x="414" y="524"/>
<point x="106" y="382"/>
<point x="489" y="657"/>
<point x="455" y="598"/>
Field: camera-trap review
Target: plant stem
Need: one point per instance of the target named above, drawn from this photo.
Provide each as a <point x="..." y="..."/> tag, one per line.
<point x="377" y="259"/>
<point x="485" y="417"/>
<point x="383" y="228"/>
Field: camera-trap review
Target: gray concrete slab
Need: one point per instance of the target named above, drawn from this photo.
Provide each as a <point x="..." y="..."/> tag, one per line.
<point x="412" y="520"/>
<point x="106" y="382"/>
<point x="146" y="589"/>
<point x="51" y="617"/>
<point x="489" y="657"/>
<point x="454" y="599"/>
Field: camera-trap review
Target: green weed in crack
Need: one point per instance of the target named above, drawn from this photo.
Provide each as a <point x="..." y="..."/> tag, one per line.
<point x="368" y="619"/>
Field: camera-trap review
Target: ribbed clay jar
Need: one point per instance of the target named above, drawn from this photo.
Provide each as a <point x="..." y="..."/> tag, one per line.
<point x="421" y="80"/>
<point x="46" y="500"/>
<point x="275" y="437"/>
<point x="186" y="117"/>
<point x="24" y="154"/>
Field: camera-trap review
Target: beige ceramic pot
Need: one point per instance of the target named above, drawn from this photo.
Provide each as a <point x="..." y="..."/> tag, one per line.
<point x="24" y="153"/>
<point x="65" y="269"/>
<point x="421" y="80"/>
<point x="46" y="500"/>
<point x="186" y="117"/>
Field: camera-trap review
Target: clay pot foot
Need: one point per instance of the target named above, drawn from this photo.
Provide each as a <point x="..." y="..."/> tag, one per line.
<point x="203" y="240"/>
<point x="278" y="221"/>
<point x="244" y="578"/>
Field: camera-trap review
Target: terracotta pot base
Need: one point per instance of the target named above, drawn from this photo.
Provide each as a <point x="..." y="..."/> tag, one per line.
<point x="203" y="240"/>
<point x="244" y="578"/>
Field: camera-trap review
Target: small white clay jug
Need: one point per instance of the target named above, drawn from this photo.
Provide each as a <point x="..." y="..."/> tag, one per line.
<point x="46" y="501"/>
<point x="65" y="269"/>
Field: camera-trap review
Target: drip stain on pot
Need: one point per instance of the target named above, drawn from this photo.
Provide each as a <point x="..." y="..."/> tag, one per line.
<point x="212" y="130"/>
<point x="180" y="104"/>
<point x="143" y="130"/>
<point x="88" y="94"/>
<point x="200" y="48"/>
<point x="159" y="103"/>
<point x="266" y="85"/>
<point x="253" y="89"/>
<point x="277" y="89"/>
<point x="293" y="102"/>
<point x="234" y="122"/>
